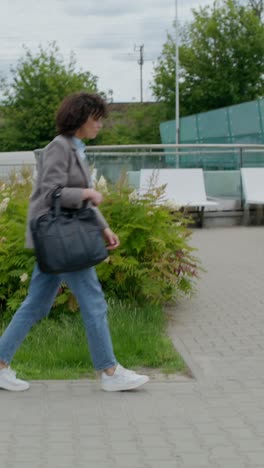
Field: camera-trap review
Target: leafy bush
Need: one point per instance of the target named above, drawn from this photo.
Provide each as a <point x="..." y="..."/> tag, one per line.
<point x="16" y="261"/>
<point x="154" y="262"/>
<point x="133" y="123"/>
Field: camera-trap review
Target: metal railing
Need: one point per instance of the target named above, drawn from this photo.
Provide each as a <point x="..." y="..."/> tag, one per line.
<point x="205" y="156"/>
<point x="221" y="163"/>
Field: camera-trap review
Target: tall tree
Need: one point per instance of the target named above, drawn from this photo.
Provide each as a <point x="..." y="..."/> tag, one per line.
<point x="257" y="6"/>
<point x="39" y="82"/>
<point x="221" y="60"/>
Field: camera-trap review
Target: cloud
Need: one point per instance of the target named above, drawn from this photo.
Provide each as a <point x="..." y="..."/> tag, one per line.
<point x="121" y="37"/>
<point x="103" y="42"/>
<point x="116" y="8"/>
<point x="153" y="30"/>
<point x="125" y="57"/>
<point x="102" y="34"/>
<point x="103" y="8"/>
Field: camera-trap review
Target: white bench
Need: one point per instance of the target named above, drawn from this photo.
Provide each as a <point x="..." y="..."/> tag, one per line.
<point x="253" y="189"/>
<point x="183" y="187"/>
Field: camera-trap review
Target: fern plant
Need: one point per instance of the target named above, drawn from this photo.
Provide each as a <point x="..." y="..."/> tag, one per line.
<point x="154" y="262"/>
<point x="16" y="262"/>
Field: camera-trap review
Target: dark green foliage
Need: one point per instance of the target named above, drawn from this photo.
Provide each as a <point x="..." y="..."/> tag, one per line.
<point x="221" y="60"/>
<point x="134" y="123"/>
<point x="16" y="262"/>
<point x="40" y="82"/>
<point x="154" y="262"/>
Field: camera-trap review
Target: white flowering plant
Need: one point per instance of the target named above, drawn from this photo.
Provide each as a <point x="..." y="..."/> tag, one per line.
<point x="16" y="263"/>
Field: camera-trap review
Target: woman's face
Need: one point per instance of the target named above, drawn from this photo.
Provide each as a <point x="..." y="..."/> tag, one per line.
<point x="90" y="128"/>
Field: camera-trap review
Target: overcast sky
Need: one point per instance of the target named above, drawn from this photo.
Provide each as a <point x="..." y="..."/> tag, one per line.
<point x="101" y="33"/>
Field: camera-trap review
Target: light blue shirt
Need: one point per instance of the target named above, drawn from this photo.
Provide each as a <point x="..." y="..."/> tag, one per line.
<point x="80" y="146"/>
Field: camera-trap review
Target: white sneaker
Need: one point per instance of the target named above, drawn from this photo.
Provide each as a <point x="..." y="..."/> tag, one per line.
<point x="122" y="379"/>
<point x="8" y="381"/>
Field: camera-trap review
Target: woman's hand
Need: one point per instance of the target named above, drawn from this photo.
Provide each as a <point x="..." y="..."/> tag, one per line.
<point x="111" y="239"/>
<point x="95" y="197"/>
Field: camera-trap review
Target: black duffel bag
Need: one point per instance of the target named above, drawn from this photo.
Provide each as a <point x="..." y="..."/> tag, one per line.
<point x="67" y="240"/>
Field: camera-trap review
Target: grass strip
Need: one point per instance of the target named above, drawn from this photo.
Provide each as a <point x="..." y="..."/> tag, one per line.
<point x="56" y="348"/>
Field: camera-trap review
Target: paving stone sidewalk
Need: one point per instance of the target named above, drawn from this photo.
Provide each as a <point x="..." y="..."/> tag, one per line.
<point x="215" y="420"/>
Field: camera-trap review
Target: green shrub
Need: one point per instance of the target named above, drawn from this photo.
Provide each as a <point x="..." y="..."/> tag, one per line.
<point x="16" y="262"/>
<point x="154" y="263"/>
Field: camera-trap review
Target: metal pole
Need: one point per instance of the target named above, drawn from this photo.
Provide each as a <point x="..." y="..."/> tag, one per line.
<point x="177" y="105"/>
<point x="141" y="72"/>
<point x="140" y="49"/>
<point x="177" y="109"/>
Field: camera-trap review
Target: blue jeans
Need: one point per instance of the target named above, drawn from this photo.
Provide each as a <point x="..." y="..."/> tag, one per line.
<point x="42" y="292"/>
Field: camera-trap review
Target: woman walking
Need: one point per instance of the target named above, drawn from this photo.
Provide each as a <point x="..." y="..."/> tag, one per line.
<point x="62" y="165"/>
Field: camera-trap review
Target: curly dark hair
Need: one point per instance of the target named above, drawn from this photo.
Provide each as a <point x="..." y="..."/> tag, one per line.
<point x="75" y="110"/>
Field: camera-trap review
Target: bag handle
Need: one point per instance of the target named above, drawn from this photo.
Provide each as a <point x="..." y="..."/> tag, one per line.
<point x="56" y="205"/>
